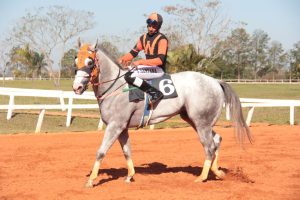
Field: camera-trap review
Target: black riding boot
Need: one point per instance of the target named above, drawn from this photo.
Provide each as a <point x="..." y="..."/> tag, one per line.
<point x="155" y="94"/>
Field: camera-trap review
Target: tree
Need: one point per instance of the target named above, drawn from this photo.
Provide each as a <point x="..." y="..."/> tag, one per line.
<point x="182" y="59"/>
<point x="22" y="59"/>
<point x="31" y="60"/>
<point x="111" y="49"/>
<point x="117" y="45"/>
<point x="4" y="59"/>
<point x="258" y="55"/>
<point x="175" y="37"/>
<point x="68" y="64"/>
<point x="49" y="30"/>
<point x="202" y="25"/>
<point x="276" y="58"/>
<point x="295" y="61"/>
<point x="237" y="52"/>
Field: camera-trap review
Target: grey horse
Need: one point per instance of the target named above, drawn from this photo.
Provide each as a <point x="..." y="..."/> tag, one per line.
<point x="199" y="102"/>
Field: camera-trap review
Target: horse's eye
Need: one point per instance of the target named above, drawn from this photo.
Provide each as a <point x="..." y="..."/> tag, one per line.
<point x="89" y="62"/>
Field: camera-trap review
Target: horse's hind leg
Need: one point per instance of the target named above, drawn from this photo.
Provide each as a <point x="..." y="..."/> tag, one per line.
<point x="126" y="147"/>
<point x="217" y="142"/>
<point x="206" y="136"/>
<point x="215" y="167"/>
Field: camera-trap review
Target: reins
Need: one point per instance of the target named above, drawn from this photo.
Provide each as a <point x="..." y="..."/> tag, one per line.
<point x="96" y="84"/>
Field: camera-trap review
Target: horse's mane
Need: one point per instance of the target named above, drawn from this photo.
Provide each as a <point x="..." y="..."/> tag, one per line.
<point x="112" y="57"/>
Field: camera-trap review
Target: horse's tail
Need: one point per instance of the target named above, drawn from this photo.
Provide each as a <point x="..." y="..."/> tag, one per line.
<point x="233" y="102"/>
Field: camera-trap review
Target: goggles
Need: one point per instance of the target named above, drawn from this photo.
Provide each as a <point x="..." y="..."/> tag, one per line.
<point x="152" y="22"/>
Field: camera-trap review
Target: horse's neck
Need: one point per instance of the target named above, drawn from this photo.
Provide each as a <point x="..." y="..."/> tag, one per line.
<point x="109" y="71"/>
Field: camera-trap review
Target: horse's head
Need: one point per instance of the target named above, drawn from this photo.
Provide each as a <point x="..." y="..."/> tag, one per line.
<point x="87" y="68"/>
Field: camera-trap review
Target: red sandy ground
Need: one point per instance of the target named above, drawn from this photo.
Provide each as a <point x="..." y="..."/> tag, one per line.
<point x="55" y="166"/>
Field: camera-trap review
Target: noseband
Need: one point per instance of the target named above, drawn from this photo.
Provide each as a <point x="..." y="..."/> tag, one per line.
<point x="94" y="72"/>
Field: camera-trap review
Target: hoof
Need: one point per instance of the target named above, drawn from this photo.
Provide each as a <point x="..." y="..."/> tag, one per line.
<point x="129" y="179"/>
<point x="200" y="179"/>
<point x="219" y="174"/>
<point x="89" y="184"/>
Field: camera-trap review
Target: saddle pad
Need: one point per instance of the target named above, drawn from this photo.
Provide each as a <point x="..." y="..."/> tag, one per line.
<point x="164" y="84"/>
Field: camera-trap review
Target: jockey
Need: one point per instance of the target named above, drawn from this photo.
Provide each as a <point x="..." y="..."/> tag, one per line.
<point x="155" y="46"/>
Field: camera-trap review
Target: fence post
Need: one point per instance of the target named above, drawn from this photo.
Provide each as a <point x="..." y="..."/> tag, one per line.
<point x="249" y="116"/>
<point x="227" y="112"/>
<point x="152" y="127"/>
<point x="292" y="115"/>
<point x="100" y="125"/>
<point x="69" y="114"/>
<point x="40" y="121"/>
<point x="62" y="103"/>
<point x="10" y="107"/>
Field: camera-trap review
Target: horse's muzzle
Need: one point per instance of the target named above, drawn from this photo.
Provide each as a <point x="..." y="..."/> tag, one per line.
<point x="78" y="88"/>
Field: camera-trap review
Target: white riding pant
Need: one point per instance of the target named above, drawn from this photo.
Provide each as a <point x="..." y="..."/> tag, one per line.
<point x="147" y="72"/>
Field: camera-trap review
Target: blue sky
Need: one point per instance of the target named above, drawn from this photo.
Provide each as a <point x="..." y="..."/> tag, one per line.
<point x="279" y="18"/>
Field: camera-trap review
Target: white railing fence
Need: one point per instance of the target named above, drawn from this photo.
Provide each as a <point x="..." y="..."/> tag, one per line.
<point x="252" y="103"/>
<point x="61" y="95"/>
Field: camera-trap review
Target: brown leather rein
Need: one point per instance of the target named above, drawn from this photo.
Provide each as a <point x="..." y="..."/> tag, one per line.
<point x="94" y="79"/>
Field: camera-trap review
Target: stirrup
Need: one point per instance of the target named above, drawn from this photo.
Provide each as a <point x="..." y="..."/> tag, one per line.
<point x="155" y="101"/>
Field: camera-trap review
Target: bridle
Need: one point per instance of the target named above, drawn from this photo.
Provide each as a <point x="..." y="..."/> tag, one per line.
<point x="95" y="72"/>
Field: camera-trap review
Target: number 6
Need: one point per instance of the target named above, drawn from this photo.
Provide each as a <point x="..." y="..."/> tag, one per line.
<point x="165" y="87"/>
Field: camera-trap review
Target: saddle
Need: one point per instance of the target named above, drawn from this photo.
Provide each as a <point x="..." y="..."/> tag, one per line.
<point x="164" y="84"/>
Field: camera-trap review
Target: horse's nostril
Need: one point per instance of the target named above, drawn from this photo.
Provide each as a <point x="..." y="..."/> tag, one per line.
<point x="79" y="88"/>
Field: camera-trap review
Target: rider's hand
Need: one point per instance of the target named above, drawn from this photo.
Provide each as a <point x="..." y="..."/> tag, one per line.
<point x="133" y="65"/>
<point x="123" y="63"/>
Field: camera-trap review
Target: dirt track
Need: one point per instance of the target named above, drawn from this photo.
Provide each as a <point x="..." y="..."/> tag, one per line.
<point x="55" y="166"/>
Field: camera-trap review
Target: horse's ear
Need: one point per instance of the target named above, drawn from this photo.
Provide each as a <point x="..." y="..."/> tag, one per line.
<point x="96" y="45"/>
<point x="79" y="42"/>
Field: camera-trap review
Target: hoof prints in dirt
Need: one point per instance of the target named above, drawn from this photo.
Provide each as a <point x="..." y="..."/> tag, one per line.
<point x="238" y="175"/>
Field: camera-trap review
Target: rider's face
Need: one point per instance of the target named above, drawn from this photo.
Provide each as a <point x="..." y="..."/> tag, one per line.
<point x="152" y="29"/>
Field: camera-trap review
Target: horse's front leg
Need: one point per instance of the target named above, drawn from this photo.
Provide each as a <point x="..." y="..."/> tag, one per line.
<point x="126" y="147"/>
<point x="111" y="134"/>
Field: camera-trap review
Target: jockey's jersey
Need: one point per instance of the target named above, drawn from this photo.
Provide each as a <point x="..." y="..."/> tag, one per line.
<point x="154" y="46"/>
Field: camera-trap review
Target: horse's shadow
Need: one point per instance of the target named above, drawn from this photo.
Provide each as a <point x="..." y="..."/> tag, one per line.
<point x="155" y="168"/>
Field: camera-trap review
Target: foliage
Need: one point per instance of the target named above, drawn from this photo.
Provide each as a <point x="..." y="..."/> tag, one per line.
<point x="238" y="50"/>
<point x="4" y="58"/>
<point x="200" y="23"/>
<point x="258" y="54"/>
<point x="251" y="56"/>
<point x="221" y="69"/>
<point x="111" y="49"/>
<point x="295" y="61"/>
<point x="199" y="40"/>
<point x="183" y="58"/>
<point x="276" y="58"/>
<point x="49" y="30"/>
<point x="67" y="64"/>
<point x="31" y="62"/>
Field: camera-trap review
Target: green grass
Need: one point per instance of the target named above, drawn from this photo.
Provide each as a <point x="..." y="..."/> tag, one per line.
<point x="57" y="123"/>
<point x="268" y="91"/>
<point x="65" y="85"/>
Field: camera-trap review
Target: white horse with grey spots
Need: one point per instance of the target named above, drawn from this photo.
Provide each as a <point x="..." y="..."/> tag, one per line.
<point x="199" y="102"/>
